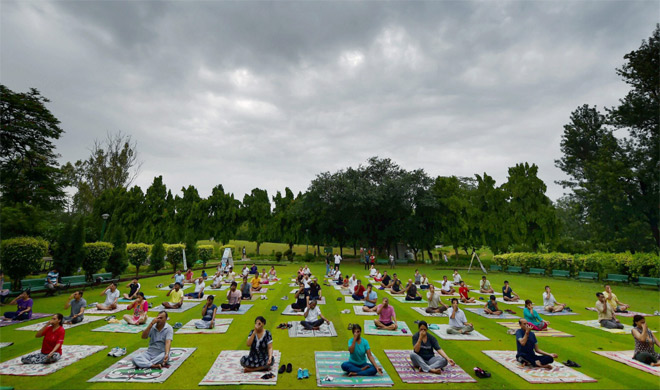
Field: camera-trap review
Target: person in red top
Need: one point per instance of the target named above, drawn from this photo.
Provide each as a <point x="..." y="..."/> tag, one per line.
<point x="358" y="293"/>
<point x="189" y="276"/>
<point x="463" y="292"/>
<point x="51" y="347"/>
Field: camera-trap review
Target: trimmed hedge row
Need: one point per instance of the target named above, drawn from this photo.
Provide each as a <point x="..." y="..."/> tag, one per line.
<point x="21" y="256"/>
<point x="635" y="265"/>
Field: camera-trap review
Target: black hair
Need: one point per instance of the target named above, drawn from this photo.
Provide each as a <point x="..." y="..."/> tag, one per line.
<point x="233" y="284"/>
<point x="356" y="326"/>
<point x="483" y="277"/>
<point x="260" y="318"/>
<point x="506" y="281"/>
<point x="178" y="284"/>
<point x="454" y="299"/>
<point x="60" y="318"/>
<point x="422" y="322"/>
<point x="527" y="301"/>
<point x="80" y="292"/>
<point x="210" y="298"/>
<point x="546" y="287"/>
<point x="636" y="319"/>
<point x="492" y="297"/>
<point x="28" y="292"/>
<point x="166" y="315"/>
<point x="370" y="285"/>
<point x="599" y="294"/>
<point x="141" y="294"/>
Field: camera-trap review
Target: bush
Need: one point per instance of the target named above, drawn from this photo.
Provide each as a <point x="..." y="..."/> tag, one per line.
<point x="278" y="256"/>
<point x="289" y="254"/>
<point x="117" y="263"/>
<point x="157" y="260"/>
<point x="308" y="257"/>
<point x="205" y="252"/>
<point x="68" y="252"/>
<point x="137" y="255"/>
<point x="21" y="256"/>
<point x="96" y="255"/>
<point x="175" y="254"/>
<point x="191" y="252"/>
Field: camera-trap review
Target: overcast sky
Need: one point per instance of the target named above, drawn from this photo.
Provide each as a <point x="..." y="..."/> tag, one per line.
<point x="269" y="94"/>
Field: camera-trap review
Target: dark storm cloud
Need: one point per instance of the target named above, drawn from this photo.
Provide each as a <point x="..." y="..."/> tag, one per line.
<point x="269" y="94"/>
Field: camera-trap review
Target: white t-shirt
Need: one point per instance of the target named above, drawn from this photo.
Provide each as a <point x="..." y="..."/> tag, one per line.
<point x="111" y="296"/>
<point x="459" y="320"/>
<point x="373" y="272"/>
<point x="446" y="285"/>
<point x="352" y="282"/>
<point x="199" y="285"/>
<point x="217" y="279"/>
<point x="457" y="279"/>
<point x="313" y="314"/>
<point x="305" y="282"/>
<point x="245" y="271"/>
<point x="231" y="276"/>
<point x="424" y="281"/>
<point x="337" y="259"/>
<point x="548" y="300"/>
<point x="306" y="271"/>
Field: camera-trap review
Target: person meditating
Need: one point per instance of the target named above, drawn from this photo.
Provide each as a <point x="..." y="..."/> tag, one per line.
<point x="396" y="287"/>
<point x="491" y="307"/>
<point x="264" y="276"/>
<point x="260" y="342"/>
<point x="463" y="293"/>
<point x="613" y="301"/>
<point x="485" y="287"/>
<point x="234" y="296"/>
<point x="358" y="291"/>
<point x="417" y="277"/>
<point x="373" y="271"/>
<point x="217" y="280"/>
<point x="314" y="290"/>
<point x="527" y="348"/>
<point x="346" y="282"/>
<point x="255" y="283"/>
<point x="645" y="342"/>
<point x="550" y="304"/>
<point x="378" y="277"/>
<point x="435" y="303"/>
<point x="302" y="299"/>
<point x="447" y="288"/>
<point x="352" y="282"/>
<point x="160" y="335"/>
<point x="246" y="289"/>
<point x="606" y="316"/>
<point x="133" y="289"/>
<point x="386" y="316"/>
<point x="111" y="296"/>
<point x="508" y="294"/>
<point x="77" y="304"/>
<point x="254" y="270"/>
<point x="23" y="308"/>
<point x="424" y="282"/>
<point x="370" y="299"/>
<point x="176" y="297"/>
<point x="230" y="276"/>
<point x="200" y="284"/>
<point x="386" y="282"/>
<point x="208" y="314"/>
<point x="457" y="321"/>
<point x="272" y="274"/>
<point x="51" y="346"/>
<point x="313" y="317"/>
<point x="140" y="308"/>
<point x="411" y="292"/>
<point x="457" y="278"/>
<point x="359" y="353"/>
<point x="189" y="276"/>
<point x="533" y="319"/>
<point x="423" y="356"/>
<point x="178" y="278"/>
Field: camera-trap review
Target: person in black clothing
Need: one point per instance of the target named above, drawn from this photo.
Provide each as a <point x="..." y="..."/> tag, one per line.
<point x="314" y="290"/>
<point x="134" y="288"/>
<point x="411" y="292"/>
<point x="386" y="281"/>
<point x="302" y="299"/>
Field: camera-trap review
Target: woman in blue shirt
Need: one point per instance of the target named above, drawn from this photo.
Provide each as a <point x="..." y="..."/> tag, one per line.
<point x="360" y="351"/>
<point x="535" y="321"/>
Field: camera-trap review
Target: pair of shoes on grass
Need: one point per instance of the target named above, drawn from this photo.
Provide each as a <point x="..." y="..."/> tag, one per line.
<point x="287" y="368"/>
<point x="481" y="373"/>
<point x="117" y="352"/>
<point x="571" y="363"/>
<point x="177" y="325"/>
<point x="303" y="373"/>
<point x="284" y="326"/>
<point x="345" y="311"/>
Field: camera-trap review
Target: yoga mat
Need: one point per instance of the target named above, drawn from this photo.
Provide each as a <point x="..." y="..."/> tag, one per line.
<point x="389" y="291"/>
<point x="549" y="332"/>
<point x="558" y="374"/>
<point x="442" y="333"/>
<point x="263" y="290"/>
<point x="3" y="345"/>
<point x="325" y="330"/>
<point x="293" y="285"/>
<point x="123" y="327"/>
<point x="358" y="310"/>
<point x="328" y="364"/>
<point x="227" y="370"/>
<point x="295" y="290"/>
<point x="70" y="355"/>
<point x="221" y="326"/>
<point x="422" y="311"/>
<point x="35" y="316"/>
<point x="628" y="314"/>
<point x="125" y="371"/>
<point x="124" y="300"/>
<point x="542" y="312"/>
<point x="349" y="299"/>
<point x="288" y="311"/>
<point x="241" y="310"/>
<point x="166" y="288"/>
<point x="400" y="359"/>
<point x="482" y="313"/>
<point x="224" y="287"/>
<point x="86" y="320"/>
<point x="595" y="324"/>
<point x="370" y="328"/>
<point x="477" y="303"/>
<point x="501" y="300"/>
<point x="94" y="310"/>
<point x="403" y="300"/>
<point x="626" y="357"/>
<point x="185" y="306"/>
<point x="489" y="294"/>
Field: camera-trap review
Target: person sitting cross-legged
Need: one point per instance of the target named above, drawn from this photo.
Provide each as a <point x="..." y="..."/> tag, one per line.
<point x="51" y="347"/>
<point x="133" y="289"/>
<point x="208" y="314"/>
<point x="447" y="287"/>
<point x="111" y="297"/>
<point x="140" y="309"/>
<point x="314" y="290"/>
<point x="532" y="316"/>
<point x="435" y="303"/>
<point x="189" y="276"/>
<point x="485" y="287"/>
<point x="77" y="304"/>
<point x="528" y="348"/>
<point x="178" y="278"/>
<point x="606" y="316"/>
<point x="23" y="307"/>
<point x="199" y="289"/>
<point x="411" y="292"/>
<point x="302" y="299"/>
<point x="645" y="342"/>
<point x="386" y="282"/>
<point x="260" y="342"/>
<point x="463" y="292"/>
<point x="550" y="304"/>
<point x="313" y="317"/>
<point x="424" y="282"/>
<point x="358" y="292"/>
<point x="360" y="351"/>
<point x="457" y="321"/>
<point x="246" y="289"/>
<point x="234" y="296"/>
<point x="417" y="277"/>
<point x="370" y="299"/>
<point x="396" y="287"/>
<point x="423" y="356"/>
<point x="255" y="283"/>
<point x="508" y="294"/>
<point x="491" y="307"/>
<point x="176" y="297"/>
<point x="217" y="280"/>
<point x="386" y="316"/>
<point x="613" y="300"/>
<point x="160" y="335"/>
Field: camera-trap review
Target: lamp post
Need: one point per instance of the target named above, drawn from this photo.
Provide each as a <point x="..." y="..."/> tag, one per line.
<point x="105" y="219"/>
<point x="307" y="241"/>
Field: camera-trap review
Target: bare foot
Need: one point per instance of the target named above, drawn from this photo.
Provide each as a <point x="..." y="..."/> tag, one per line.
<point x="437" y="371"/>
<point x="352" y="374"/>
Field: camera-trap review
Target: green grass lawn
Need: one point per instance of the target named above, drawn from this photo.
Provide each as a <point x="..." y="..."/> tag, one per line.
<point x="300" y="351"/>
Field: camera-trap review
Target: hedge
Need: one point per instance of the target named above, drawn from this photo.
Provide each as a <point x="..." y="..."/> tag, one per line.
<point x="174" y="253"/>
<point x="204" y="253"/>
<point x="21" y="256"/>
<point x="96" y="255"/>
<point x="137" y="255"/>
<point x="635" y="265"/>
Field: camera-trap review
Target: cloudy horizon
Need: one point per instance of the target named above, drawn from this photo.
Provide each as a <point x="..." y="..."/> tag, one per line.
<point x="270" y="94"/>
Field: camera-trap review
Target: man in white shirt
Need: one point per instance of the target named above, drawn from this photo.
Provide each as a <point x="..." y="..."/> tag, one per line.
<point x="111" y="296"/>
<point x="485" y="287"/>
<point x="306" y="271"/>
<point x="457" y="278"/>
<point x="337" y="261"/>
<point x="313" y="317"/>
<point x="447" y="288"/>
<point x="199" y="289"/>
<point x="457" y="322"/>
<point x="352" y="282"/>
<point x="217" y="280"/>
<point x="550" y="304"/>
<point x="231" y="275"/>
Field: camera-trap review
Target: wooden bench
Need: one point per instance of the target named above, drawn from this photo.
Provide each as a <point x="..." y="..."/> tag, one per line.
<point x="587" y="275"/>
<point x="536" y="271"/>
<point x="646" y="281"/>
<point x="34" y="285"/>
<point x="74" y="281"/>
<point x="495" y="267"/>
<point x="514" y="269"/>
<point x="561" y="272"/>
<point x="616" y="278"/>
<point x="401" y="261"/>
<point x="105" y="278"/>
<point x="7" y="286"/>
<point x="382" y="261"/>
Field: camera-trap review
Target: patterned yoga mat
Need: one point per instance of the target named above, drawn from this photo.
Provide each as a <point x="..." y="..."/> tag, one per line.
<point x="549" y="332"/>
<point x="541" y="310"/>
<point x="359" y="311"/>
<point x="166" y="288"/>
<point x="558" y="374"/>
<point x="626" y="357"/>
<point x="482" y="313"/>
<point x="403" y="300"/>
<point x="477" y="303"/>
<point x="288" y="311"/>
<point x="595" y="324"/>
<point x="370" y="328"/>
<point x="221" y="326"/>
<point x="124" y="300"/>
<point x="325" y="330"/>
<point x="328" y="363"/>
<point x="628" y="314"/>
<point x="3" y="345"/>
<point x="185" y="306"/>
<point x="489" y="294"/>
<point x="227" y="370"/>
<point x="501" y="300"/>
<point x="222" y="288"/>
<point x="241" y="310"/>
<point x="442" y="333"/>
<point x="86" y="320"/>
<point x="94" y="310"/>
<point x="123" y="327"/>
<point x="70" y="355"/>
<point x="400" y="359"/>
<point x="35" y="316"/>
<point x="422" y="311"/>
<point x="125" y="371"/>
<point x="349" y="299"/>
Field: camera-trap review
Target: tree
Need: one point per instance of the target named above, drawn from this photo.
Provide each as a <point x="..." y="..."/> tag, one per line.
<point x="21" y="256"/>
<point x="285" y="222"/>
<point x="490" y="214"/>
<point x="117" y="262"/>
<point x="191" y="251"/>
<point x="137" y="255"/>
<point x="157" y="256"/>
<point x="69" y="253"/>
<point x="256" y="211"/>
<point x="222" y="212"/>
<point x="453" y="201"/>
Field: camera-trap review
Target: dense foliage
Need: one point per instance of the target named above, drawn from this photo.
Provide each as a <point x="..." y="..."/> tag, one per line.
<point x="21" y="256"/>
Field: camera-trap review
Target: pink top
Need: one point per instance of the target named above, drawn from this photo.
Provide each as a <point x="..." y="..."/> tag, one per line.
<point x="234" y="297"/>
<point x="138" y="310"/>
<point x="386" y="313"/>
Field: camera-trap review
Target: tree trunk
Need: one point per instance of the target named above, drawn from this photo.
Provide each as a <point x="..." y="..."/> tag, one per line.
<point x="258" y="245"/>
<point x="354" y="250"/>
<point x="137" y="271"/>
<point x="341" y="250"/>
<point x="318" y="249"/>
<point x="430" y="254"/>
<point x="456" y="250"/>
<point x="422" y="256"/>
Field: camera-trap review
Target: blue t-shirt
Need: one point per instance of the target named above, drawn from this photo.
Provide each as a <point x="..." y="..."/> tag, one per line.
<point x="359" y="355"/>
<point x="178" y="279"/>
<point x="372" y="296"/>
<point x="528" y="348"/>
<point x="209" y="313"/>
<point x="507" y="293"/>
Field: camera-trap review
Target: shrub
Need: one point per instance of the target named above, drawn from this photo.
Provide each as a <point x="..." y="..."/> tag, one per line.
<point x="191" y="252"/>
<point x="157" y="260"/>
<point x="96" y="255"/>
<point x="308" y="257"/>
<point x="278" y="256"/>
<point x="289" y="254"/>
<point x="117" y="263"/>
<point x="21" y="256"/>
<point x="205" y="252"/>
<point x="137" y="255"/>
<point x="175" y="254"/>
<point x="68" y="253"/>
